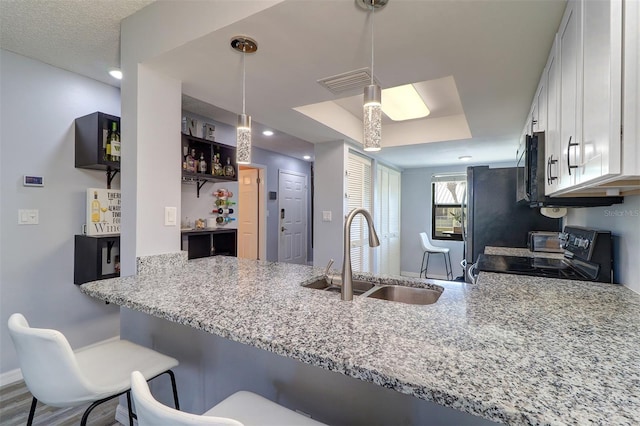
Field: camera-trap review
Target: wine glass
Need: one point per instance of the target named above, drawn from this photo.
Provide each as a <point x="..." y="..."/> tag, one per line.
<point x="103" y="210"/>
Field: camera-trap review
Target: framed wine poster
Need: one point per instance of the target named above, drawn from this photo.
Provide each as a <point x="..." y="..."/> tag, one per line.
<point x="103" y="211"/>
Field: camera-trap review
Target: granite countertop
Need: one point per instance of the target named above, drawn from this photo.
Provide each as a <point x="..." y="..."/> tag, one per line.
<point x="512" y="349"/>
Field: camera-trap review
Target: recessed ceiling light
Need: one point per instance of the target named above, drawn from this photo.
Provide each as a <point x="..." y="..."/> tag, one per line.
<point x="268" y="133"/>
<point x="464" y="158"/>
<point x="115" y="73"/>
<point x="403" y="103"/>
<point x="307" y="157"/>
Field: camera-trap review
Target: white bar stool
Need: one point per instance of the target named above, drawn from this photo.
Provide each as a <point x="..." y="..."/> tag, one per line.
<point x="241" y="408"/>
<point x="57" y="376"/>
<point x="430" y="249"/>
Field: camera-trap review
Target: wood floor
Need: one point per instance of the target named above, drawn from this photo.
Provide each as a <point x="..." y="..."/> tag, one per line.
<point x="15" y="401"/>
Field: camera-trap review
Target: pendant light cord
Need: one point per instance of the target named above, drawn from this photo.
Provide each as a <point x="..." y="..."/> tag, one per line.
<point x="243" y="79"/>
<point x="373" y="10"/>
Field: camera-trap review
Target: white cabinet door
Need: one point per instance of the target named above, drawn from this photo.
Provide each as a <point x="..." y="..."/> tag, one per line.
<point x="539" y="108"/>
<point x="552" y="131"/>
<point x="601" y="89"/>
<point x="570" y="57"/>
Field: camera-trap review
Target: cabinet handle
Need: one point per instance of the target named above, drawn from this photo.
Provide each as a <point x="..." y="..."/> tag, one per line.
<point x="569" y="166"/>
<point x="550" y="162"/>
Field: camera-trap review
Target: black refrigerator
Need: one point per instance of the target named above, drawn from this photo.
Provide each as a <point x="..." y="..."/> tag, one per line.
<point x="494" y="217"/>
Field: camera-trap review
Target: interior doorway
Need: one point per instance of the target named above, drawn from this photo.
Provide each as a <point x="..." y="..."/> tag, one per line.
<point x="292" y="208"/>
<point x="252" y="241"/>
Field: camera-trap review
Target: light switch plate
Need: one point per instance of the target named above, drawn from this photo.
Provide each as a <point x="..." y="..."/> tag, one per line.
<point x="170" y="216"/>
<point x="28" y="217"/>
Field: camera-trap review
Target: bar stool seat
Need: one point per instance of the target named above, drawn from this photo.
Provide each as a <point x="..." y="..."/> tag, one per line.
<point x="241" y="408"/>
<point x="429" y="249"/>
<point x="57" y="376"/>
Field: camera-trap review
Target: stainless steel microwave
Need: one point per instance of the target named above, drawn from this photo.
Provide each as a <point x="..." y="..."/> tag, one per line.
<point x="531" y="178"/>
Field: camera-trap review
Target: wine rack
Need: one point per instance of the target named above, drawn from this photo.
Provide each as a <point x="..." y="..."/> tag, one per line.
<point x="212" y="153"/>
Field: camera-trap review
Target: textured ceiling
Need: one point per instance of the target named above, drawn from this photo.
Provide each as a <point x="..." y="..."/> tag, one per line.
<point x="82" y="36"/>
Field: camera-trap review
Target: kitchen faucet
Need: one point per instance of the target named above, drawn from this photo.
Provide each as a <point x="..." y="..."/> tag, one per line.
<point x="347" y="274"/>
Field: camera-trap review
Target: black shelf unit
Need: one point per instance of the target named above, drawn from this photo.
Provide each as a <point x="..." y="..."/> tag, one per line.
<point x="209" y="149"/>
<point x="88" y="257"/>
<point x="210" y="242"/>
<point x="91" y="141"/>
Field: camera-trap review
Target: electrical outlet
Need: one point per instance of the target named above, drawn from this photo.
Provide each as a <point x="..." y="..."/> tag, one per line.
<point x="326" y="215"/>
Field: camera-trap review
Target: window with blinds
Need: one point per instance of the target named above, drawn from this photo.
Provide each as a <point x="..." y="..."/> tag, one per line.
<point x="359" y="194"/>
<point x="447" y="194"/>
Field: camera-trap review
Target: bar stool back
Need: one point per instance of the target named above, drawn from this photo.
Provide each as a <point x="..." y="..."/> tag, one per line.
<point x="429" y="249"/>
<point x="60" y="377"/>
<point x="241" y="408"/>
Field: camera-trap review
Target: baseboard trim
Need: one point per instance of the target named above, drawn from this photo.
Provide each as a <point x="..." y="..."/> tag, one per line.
<point x="12" y="376"/>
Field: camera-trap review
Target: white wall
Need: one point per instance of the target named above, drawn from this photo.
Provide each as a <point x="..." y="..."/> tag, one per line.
<point x="38" y="106"/>
<point x="623" y="220"/>
<point x="416" y="218"/>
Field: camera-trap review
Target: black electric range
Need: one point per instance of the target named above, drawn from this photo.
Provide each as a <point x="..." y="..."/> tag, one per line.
<point x="587" y="257"/>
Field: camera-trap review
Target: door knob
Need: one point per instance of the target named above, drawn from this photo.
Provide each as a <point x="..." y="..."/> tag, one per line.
<point x="283" y="229"/>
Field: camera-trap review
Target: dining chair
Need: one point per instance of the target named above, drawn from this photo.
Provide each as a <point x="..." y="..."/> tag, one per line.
<point x="241" y="408"/>
<point x="60" y="377"/>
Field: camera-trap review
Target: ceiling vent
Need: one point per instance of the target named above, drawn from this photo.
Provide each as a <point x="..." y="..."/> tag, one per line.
<point x="357" y="79"/>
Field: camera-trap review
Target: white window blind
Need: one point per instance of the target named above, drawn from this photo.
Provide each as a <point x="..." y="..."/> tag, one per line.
<point x="359" y="194"/>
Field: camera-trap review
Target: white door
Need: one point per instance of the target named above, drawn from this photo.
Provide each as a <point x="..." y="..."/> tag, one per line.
<point x="292" y="207"/>
<point x="388" y="220"/>
<point x="248" y="188"/>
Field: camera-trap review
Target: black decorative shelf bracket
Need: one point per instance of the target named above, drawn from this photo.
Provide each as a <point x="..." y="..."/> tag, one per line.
<point x="199" y="184"/>
<point x="111" y="173"/>
<point x="109" y="247"/>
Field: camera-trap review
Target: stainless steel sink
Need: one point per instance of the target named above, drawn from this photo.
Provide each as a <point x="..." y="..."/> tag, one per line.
<point x="411" y="295"/>
<point x="359" y="287"/>
<point x="393" y="293"/>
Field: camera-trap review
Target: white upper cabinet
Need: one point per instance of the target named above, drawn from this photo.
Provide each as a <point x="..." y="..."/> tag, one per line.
<point x="569" y="110"/>
<point x="592" y="93"/>
<point x="552" y="125"/>
<point x="601" y="89"/>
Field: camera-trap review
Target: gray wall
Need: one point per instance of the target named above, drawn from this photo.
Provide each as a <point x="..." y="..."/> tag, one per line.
<point x="38" y="106"/>
<point x="274" y="162"/>
<point x="329" y="196"/>
<point x="623" y="220"/>
<point x="416" y="218"/>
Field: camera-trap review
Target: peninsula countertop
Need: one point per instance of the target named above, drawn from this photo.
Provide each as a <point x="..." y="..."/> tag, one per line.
<point x="512" y="349"/>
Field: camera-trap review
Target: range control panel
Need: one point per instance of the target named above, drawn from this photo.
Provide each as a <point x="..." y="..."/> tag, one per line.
<point x="582" y="241"/>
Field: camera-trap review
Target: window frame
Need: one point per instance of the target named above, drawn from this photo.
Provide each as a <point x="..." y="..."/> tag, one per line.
<point x="436" y="234"/>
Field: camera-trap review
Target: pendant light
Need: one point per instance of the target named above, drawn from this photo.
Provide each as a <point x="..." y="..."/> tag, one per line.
<point x="243" y="132"/>
<point x="372" y="108"/>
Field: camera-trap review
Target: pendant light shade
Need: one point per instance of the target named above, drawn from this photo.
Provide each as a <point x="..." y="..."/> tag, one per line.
<point x="243" y="139"/>
<point x="372" y="118"/>
<point x="243" y="132"/>
<point x="372" y="108"/>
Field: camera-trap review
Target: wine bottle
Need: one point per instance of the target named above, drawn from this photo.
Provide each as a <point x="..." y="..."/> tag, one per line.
<point x="223" y="220"/>
<point x="225" y="211"/>
<point x="107" y="151"/>
<point x="223" y="203"/>
<point x="203" y="164"/>
<point x="229" y="171"/>
<point x="95" y="208"/>
<point x="191" y="161"/>
<point x="114" y="139"/>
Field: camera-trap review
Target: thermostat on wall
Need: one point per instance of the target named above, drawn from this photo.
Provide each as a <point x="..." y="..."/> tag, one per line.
<point x="33" y="181"/>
